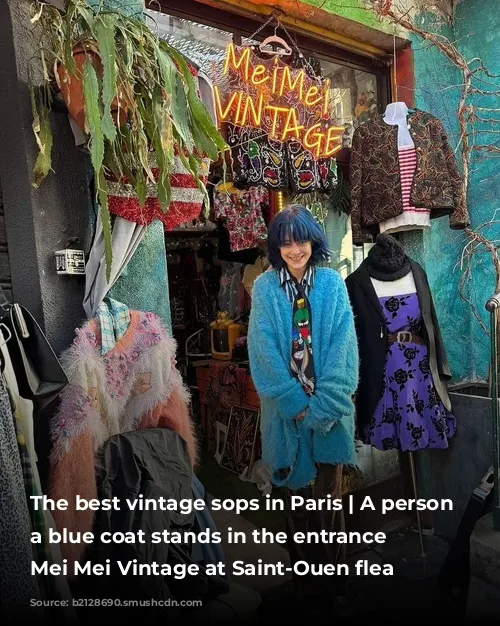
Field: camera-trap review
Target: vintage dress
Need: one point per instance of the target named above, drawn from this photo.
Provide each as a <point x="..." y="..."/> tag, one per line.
<point x="410" y="414"/>
<point x="242" y="213"/>
<point x="326" y="435"/>
<point x="134" y="385"/>
<point x="376" y="178"/>
<point x="372" y="334"/>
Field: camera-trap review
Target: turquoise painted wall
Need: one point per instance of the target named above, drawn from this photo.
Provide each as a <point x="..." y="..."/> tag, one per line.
<point x="438" y="91"/>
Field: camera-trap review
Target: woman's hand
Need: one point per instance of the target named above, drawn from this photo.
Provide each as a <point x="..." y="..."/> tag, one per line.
<point x="301" y="416"/>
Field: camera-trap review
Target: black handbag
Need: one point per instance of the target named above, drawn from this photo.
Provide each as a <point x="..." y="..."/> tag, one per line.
<point x="39" y="374"/>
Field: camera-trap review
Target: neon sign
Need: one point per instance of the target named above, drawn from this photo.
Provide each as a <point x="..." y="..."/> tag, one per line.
<point x="284" y="102"/>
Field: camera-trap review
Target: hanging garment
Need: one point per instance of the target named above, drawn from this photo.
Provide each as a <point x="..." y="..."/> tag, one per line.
<point x="410" y="414"/>
<point x="150" y="294"/>
<point x="155" y="464"/>
<point x="256" y="159"/>
<point x="113" y="318"/>
<point x="226" y="385"/>
<point x="242" y="212"/>
<point x="259" y="156"/>
<point x="375" y="175"/>
<point x="23" y="413"/>
<point x="373" y="341"/>
<point x="17" y="586"/>
<point x="125" y="239"/>
<point x="224" y="252"/>
<point x="185" y="205"/>
<point x="228" y="292"/>
<point x="336" y="229"/>
<point x="303" y="168"/>
<point x="208" y="553"/>
<point x="412" y="218"/>
<point x="136" y="385"/>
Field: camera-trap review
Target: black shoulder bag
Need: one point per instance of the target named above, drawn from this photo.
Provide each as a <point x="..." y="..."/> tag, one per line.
<point x="39" y="373"/>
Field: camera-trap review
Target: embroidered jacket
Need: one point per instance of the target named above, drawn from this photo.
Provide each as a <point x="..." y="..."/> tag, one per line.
<point x="375" y="175"/>
<point x="326" y="435"/>
<point x="134" y="385"/>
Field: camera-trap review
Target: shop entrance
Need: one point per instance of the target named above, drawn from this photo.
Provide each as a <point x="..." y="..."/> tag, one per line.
<point x="214" y="259"/>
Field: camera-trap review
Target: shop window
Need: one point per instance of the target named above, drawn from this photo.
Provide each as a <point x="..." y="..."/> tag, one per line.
<point x="354" y="96"/>
<point x="358" y="92"/>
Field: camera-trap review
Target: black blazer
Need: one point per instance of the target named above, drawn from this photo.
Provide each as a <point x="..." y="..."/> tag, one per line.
<point x="371" y="330"/>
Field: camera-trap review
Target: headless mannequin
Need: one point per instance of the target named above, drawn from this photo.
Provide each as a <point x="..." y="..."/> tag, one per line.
<point x="391" y="275"/>
<point x="396" y="114"/>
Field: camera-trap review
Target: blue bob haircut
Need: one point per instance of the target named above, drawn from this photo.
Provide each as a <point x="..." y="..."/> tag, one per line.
<point x="296" y="223"/>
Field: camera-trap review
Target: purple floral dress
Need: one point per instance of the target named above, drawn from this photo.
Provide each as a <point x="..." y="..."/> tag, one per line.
<point x="409" y="415"/>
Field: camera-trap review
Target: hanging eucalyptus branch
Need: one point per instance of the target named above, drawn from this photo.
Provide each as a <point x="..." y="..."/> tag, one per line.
<point x="140" y="99"/>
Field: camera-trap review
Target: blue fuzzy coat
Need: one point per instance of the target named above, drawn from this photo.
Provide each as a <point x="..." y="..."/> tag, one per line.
<point x="326" y="435"/>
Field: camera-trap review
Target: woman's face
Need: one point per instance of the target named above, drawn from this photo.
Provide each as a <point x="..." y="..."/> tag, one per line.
<point x="296" y="255"/>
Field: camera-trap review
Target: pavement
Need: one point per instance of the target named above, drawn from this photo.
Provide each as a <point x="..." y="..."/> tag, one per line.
<point x="411" y="594"/>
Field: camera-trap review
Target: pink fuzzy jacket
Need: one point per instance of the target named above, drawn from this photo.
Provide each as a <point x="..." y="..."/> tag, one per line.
<point x="135" y="385"/>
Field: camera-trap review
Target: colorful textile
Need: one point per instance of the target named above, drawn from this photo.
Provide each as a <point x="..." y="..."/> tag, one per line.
<point x="226" y="384"/>
<point x="242" y="212"/>
<point x="135" y="385"/>
<point x="256" y="159"/>
<point x="412" y="217"/>
<point x="143" y="285"/>
<point x="375" y="175"/>
<point x="326" y="434"/>
<point x="186" y="203"/>
<point x="114" y="319"/>
<point x="302" y="361"/>
<point x="410" y="415"/>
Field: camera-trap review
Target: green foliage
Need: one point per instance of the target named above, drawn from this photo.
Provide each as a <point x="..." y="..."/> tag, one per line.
<point x="140" y="75"/>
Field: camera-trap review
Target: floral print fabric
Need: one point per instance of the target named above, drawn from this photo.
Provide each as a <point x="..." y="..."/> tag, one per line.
<point x="410" y="415"/>
<point x="242" y="212"/>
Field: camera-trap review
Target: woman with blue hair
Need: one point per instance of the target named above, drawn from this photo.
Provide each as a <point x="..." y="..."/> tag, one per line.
<point x="304" y="363"/>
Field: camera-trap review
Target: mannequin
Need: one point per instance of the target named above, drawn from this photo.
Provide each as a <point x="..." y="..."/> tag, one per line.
<point x="396" y="114"/>
<point x="405" y="364"/>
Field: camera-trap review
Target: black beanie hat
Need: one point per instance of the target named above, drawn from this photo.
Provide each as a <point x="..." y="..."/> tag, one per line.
<point x="387" y="259"/>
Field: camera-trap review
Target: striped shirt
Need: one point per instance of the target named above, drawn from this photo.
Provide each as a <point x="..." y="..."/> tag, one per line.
<point x="288" y="282"/>
<point x="407" y="166"/>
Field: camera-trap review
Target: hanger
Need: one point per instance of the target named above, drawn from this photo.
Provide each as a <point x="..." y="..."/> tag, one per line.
<point x="274" y="40"/>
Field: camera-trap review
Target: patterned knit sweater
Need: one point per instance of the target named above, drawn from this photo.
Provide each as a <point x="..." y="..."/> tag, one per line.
<point x="135" y="385"/>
